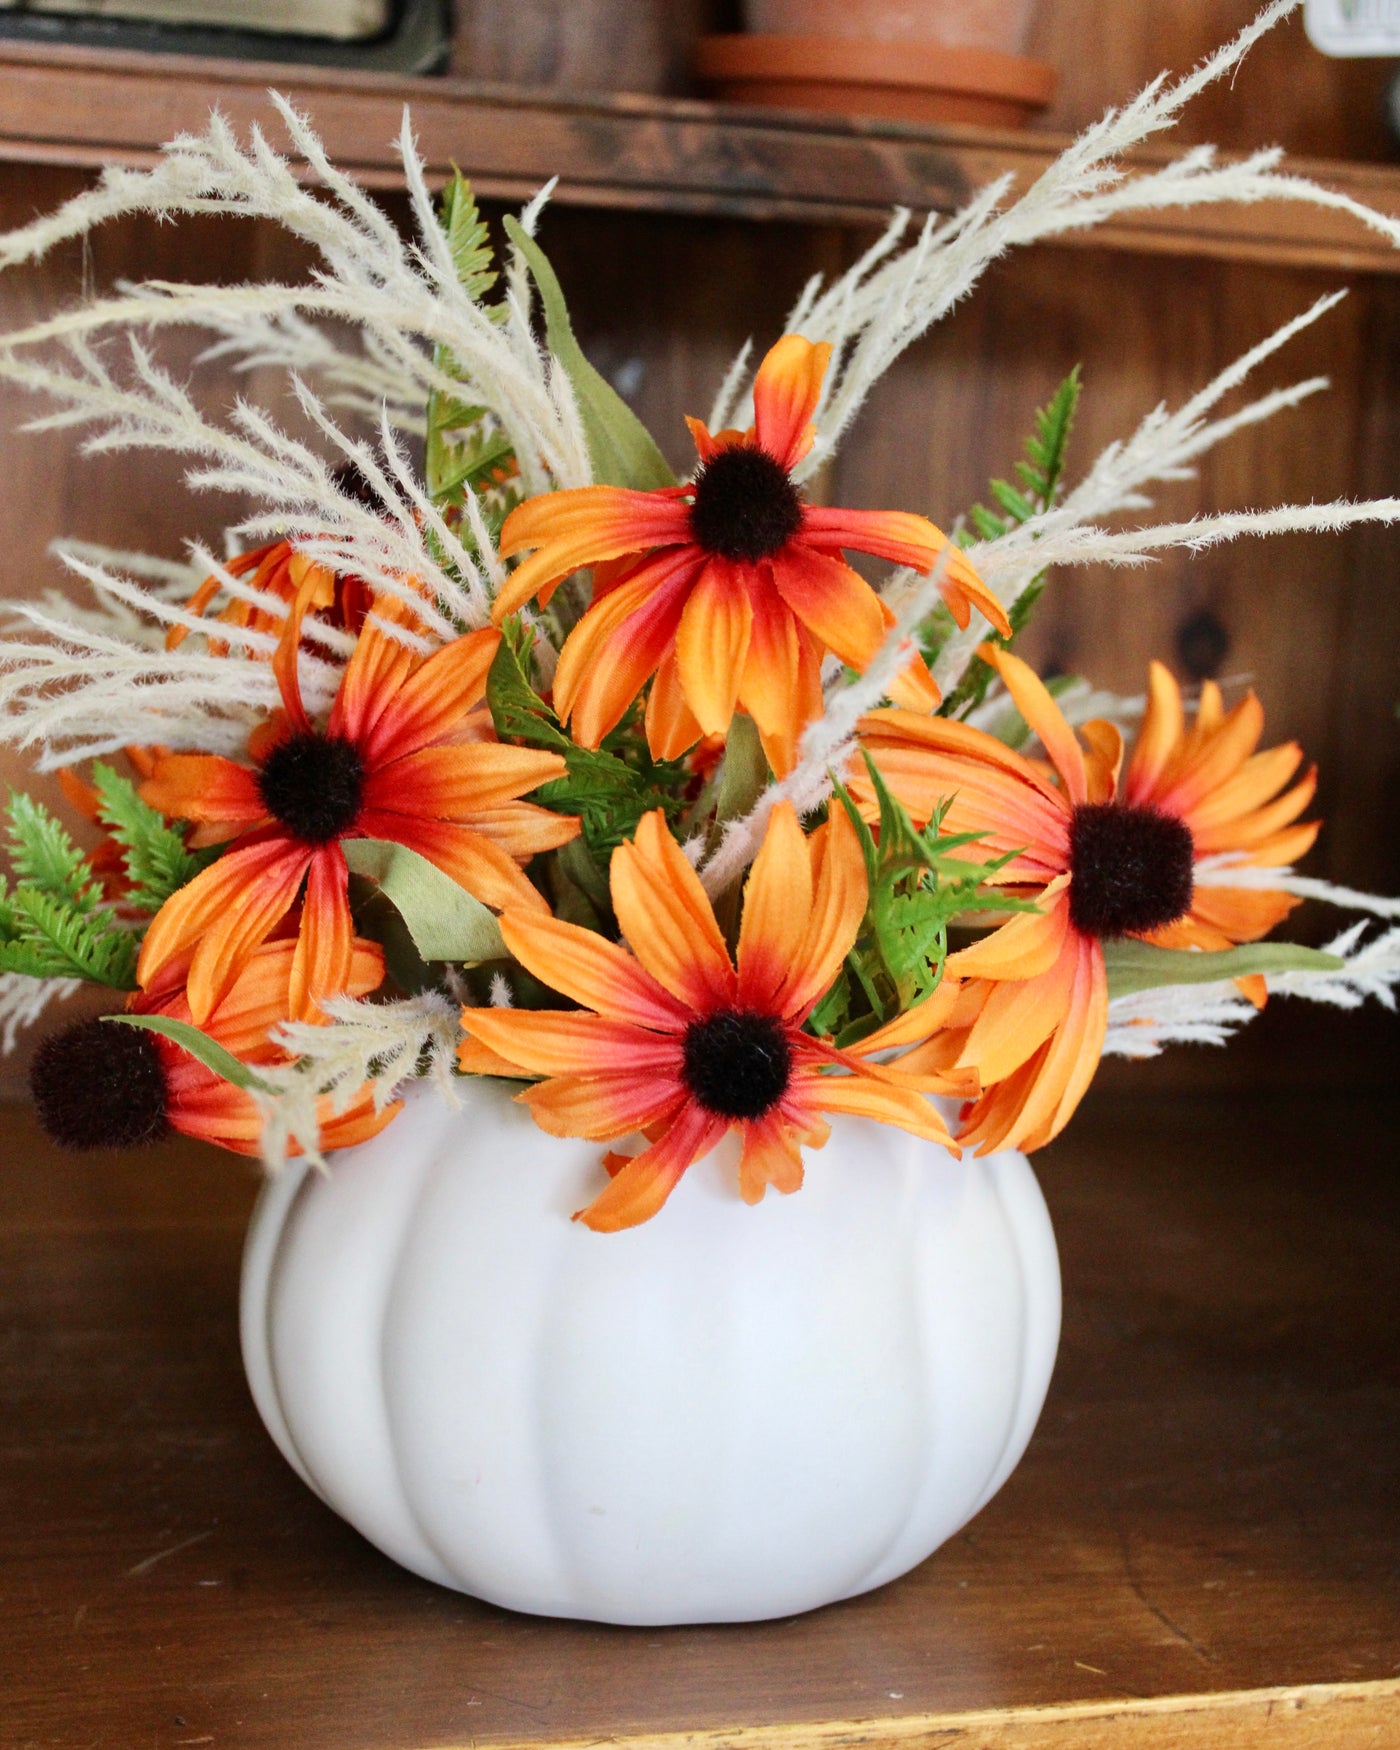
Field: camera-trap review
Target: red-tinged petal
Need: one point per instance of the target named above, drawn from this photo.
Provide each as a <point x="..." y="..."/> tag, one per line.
<point x="864" y="1097"/>
<point x="488" y="872"/>
<point x="432" y="702"/>
<point x="312" y="587"/>
<point x="709" y="444"/>
<point x="895" y="731"/>
<point x="671" y="728"/>
<point x="1104" y="760"/>
<point x="640" y="1188"/>
<point x="712" y="643"/>
<point x="781" y="687"/>
<point x="838" y="905"/>
<point x="258" y="999"/>
<point x="457" y="783"/>
<point x="524" y="829"/>
<point x="777" y="912"/>
<point x="602" y="1105"/>
<point x="476" y="1059"/>
<point x="667" y="920"/>
<point x="582" y="527"/>
<point x="599" y="974"/>
<point x="81" y="797"/>
<point x="204" y="787"/>
<point x="786" y="391"/>
<point x="215" y="896"/>
<point x="1019" y="1015"/>
<point x="227" y="910"/>
<point x="321" y="964"/>
<point x="379" y="666"/>
<point x="835" y="604"/>
<point x="897" y="535"/>
<point x="771" y="1156"/>
<point x="619" y="642"/>
<point x="1032" y="699"/>
<point x="1157" y="739"/>
<point x="1024" y="947"/>
<point x="567" y="1042"/>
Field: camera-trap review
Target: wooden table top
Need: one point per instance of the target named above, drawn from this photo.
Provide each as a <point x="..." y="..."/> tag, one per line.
<point x="1200" y="1547"/>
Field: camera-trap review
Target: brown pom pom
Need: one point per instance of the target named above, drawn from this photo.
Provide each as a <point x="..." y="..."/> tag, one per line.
<point x="99" y="1085"/>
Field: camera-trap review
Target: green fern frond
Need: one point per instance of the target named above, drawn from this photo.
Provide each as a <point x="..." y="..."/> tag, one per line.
<point x="158" y="861"/>
<point x="43" y="855"/>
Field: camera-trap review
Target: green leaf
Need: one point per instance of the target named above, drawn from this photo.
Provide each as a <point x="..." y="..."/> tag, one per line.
<point x="158" y="862"/>
<point x="621" y="449"/>
<point x="446" y="923"/>
<point x="743" y="776"/>
<point x="1134" y="966"/>
<point x="208" y="1051"/>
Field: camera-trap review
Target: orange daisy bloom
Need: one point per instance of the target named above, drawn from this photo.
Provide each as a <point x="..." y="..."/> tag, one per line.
<point x="199" y="1103"/>
<point x="674" y="1040"/>
<point x="101" y="1086"/>
<point x="1104" y="858"/>
<point x="729" y="589"/>
<point x="405" y="756"/>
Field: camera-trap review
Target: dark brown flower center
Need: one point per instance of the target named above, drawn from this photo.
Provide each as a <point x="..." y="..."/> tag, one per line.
<point x="313" y="785"/>
<point x="1133" y="869"/>
<point x="98" y="1084"/>
<point x="745" y="505"/>
<point x="737" y="1064"/>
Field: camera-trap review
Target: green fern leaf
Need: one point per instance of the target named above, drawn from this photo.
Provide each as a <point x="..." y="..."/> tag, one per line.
<point x="158" y="861"/>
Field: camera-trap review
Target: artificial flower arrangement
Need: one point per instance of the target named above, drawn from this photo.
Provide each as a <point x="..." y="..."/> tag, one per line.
<point x="492" y="748"/>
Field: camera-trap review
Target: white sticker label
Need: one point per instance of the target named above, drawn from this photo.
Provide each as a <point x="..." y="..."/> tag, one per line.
<point x="1354" y="27"/>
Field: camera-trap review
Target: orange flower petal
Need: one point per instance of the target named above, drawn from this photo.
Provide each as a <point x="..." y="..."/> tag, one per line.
<point x="1032" y="699"/>
<point x="602" y="1105"/>
<point x="641" y="1187"/>
<point x="864" y="1097"/>
<point x="555" y="1042"/>
<point x="1024" y="947"/>
<point x="204" y="787"/>
<point x="838" y="905"/>
<point x="619" y="642"/>
<point x="786" y="391"/>
<point x="599" y="974"/>
<point x="1212" y="757"/>
<point x="378" y="667"/>
<point x="1104" y="760"/>
<point x="671" y="728"/>
<point x="1019" y="1015"/>
<point x="226" y="910"/>
<point x="712" y="643"/>
<point x="321" y="964"/>
<point x="831" y="600"/>
<point x="771" y="1156"/>
<point x="456" y="783"/>
<point x="525" y="829"/>
<point x="777" y="912"/>
<point x="432" y="701"/>
<point x="487" y="871"/>
<point x="781" y="688"/>
<point x="1158" y="738"/>
<point x="581" y="527"/>
<point x="914" y="1025"/>
<point x="666" y="917"/>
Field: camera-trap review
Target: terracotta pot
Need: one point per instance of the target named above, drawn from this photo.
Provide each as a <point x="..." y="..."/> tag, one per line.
<point x="726" y="1414"/>
<point x="1002" y="25"/>
<point x="904" y="81"/>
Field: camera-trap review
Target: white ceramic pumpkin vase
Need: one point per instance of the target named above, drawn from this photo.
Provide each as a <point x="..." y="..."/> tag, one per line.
<point x="727" y="1414"/>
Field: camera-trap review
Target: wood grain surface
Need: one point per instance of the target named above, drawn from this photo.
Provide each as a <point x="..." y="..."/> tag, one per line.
<point x="1199" y="1550"/>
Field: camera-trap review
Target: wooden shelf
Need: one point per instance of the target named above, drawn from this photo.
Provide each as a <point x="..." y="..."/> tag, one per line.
<point x="1199" y="1550"/>
<point x="94" y="107"/>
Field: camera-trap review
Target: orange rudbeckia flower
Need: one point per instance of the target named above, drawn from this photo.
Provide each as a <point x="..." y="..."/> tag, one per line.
<point x="729" y="589"/>
<point x="401" y="758"/>
<point x="1106" y="855"/>
<point x="97" y="1085"/>
<point x="199" y="1103"/>
<point x="677" y="1041"/>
